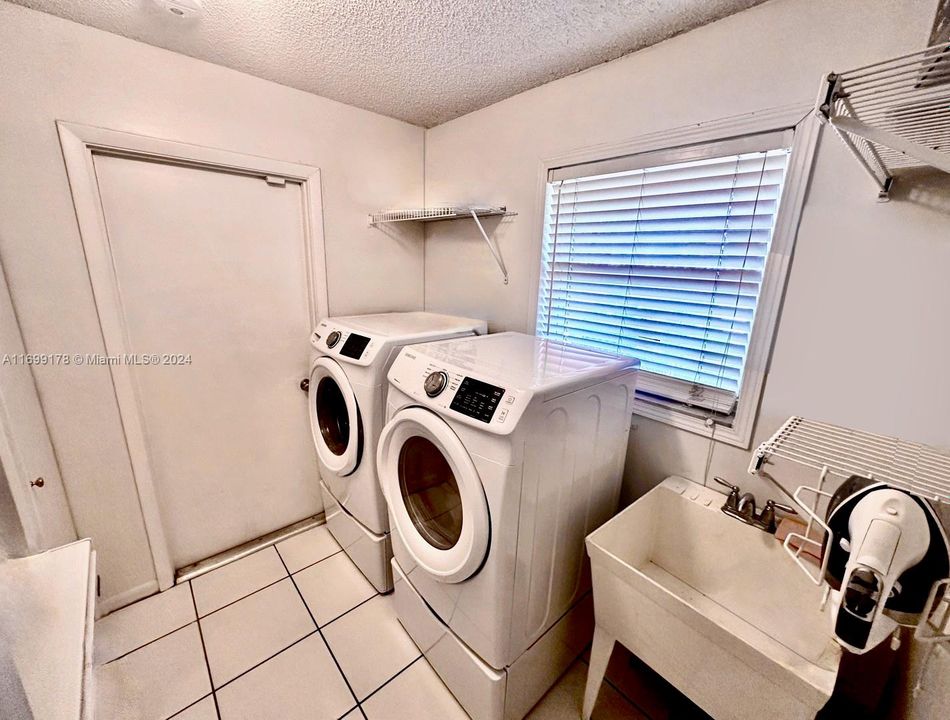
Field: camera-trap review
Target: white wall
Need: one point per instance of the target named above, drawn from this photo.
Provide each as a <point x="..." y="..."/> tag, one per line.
<point x="863" y="338"/>
<point x="53" y="69"/>
<point x="856" y="345"/>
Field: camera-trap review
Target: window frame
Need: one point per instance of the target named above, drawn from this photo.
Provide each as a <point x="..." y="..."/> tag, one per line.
<point x="686" y="142"/>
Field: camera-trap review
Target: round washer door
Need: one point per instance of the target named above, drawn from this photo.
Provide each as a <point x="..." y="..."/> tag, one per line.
<point x="334" y="417"/>
<point x="435" y="496"/>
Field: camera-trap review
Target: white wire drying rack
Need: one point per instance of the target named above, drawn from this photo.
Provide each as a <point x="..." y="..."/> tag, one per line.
<point x="833" y="450"/>
<point x="844" y="452"/>
<point x="450" y="212"/>
<point x="894" y="114"/>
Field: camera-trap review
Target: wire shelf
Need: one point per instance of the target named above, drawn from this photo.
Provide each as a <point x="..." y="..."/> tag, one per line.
<point x="450" y="212"/>
<point x="895" y="114"/>
<point x="432" y="214"/>
<point x="835" y="450"/>
<point x="844" y="452"/>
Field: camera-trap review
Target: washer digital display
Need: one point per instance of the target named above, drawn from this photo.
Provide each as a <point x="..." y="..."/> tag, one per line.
<point x="354" y="346"/>
<point x="477" y="399"/>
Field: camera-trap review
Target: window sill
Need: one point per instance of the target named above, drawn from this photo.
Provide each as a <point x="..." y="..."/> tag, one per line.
<point x="731" y="431"/>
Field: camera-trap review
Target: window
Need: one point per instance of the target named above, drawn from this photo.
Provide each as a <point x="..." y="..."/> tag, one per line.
<point x="663" y="256"/>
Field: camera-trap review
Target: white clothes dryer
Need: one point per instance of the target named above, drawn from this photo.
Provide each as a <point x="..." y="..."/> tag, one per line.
<point x="500" y="455"/>
<point x="347" y="387"/>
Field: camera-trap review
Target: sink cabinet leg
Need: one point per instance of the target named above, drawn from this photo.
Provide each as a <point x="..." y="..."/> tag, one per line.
<point x="599" y="657"/>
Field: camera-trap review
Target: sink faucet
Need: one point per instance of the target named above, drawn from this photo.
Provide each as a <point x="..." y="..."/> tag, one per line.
<point x="742" y="507"/>
<point x="746" y="506"/>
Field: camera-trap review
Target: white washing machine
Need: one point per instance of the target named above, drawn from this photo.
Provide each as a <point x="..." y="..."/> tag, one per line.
<point x="347" y="388"/>
<point x="500" y="455"/>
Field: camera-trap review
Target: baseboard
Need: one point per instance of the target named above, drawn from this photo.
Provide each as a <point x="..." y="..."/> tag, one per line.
<point x="104" y="606"/>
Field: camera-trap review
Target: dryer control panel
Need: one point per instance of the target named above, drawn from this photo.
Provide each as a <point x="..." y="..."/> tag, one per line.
<point x="344" y="344"/>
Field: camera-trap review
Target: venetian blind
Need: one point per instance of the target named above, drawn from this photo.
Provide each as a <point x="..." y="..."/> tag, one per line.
<point x="663" y="263"/>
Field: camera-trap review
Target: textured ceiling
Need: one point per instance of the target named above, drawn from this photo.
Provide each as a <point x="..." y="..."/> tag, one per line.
<point x="423" y="61"/>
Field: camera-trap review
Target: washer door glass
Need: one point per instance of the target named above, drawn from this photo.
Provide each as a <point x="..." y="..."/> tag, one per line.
<point x="430" y="492"/>
<point x="436" y="500"/>
<point x="334" y="418"/>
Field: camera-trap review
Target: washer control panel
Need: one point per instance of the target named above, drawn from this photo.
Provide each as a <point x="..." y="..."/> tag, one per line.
<point x="477" y="399"/>
<point x="456" y="393"/>
<point x="436" y="382"/>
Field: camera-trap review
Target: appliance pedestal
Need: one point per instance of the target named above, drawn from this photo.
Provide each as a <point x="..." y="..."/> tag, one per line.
<point x="487" y="693"/>
<point x="368" y="551"/>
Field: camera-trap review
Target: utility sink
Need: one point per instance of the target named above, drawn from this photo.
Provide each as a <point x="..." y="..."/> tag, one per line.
<point x="715" y="606"/>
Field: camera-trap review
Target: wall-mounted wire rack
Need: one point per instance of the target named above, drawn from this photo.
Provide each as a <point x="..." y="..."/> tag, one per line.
<point x="833" y="450"/>
<point x="844" y="452"/>
<point x="450" y="212"/>
<point x="893" y="115"/>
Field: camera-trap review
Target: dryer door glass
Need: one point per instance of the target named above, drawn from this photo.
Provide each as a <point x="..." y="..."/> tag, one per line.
<point x="334" y="421"/>
<point x="333" y="416"/>
<point x="430" y="492"/>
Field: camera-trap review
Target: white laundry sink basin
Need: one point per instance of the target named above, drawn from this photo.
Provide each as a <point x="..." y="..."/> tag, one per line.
<point x="715" y="606"/>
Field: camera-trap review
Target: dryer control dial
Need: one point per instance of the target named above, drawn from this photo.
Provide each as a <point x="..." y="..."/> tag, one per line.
<point x="333" y="338"/>
<point x="436" y="382"/>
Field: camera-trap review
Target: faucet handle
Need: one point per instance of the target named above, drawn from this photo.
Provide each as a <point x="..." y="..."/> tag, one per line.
<point x="725" y="483"/>
<point x="779" y="506"/>
<point x="766" y="519"/>
<point x="732" y="502"/>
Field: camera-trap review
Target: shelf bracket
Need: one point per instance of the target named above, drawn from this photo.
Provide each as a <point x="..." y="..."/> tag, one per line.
<point x="445" y="212"/>
<point x="893" y="114"/>
<point x="492" y="245"/>
<point x="881" y="178"/>
<point x="941" y="161"/>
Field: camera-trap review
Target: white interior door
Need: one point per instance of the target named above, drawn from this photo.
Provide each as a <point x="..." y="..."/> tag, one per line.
<point x="211" y="272"/>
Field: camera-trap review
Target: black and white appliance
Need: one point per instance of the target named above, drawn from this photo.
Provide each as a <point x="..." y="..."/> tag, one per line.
<point x="887" y="551"/>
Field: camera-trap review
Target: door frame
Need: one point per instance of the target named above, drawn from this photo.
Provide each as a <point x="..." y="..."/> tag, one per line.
<point x="80" y="143"/>
<point x="26" y="451"/>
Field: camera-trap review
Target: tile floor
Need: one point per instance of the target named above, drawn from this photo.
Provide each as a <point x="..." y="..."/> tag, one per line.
<point x="292" y="631"/>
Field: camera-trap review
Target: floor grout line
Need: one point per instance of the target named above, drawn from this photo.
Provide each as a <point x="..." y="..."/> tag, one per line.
<point x="206" y="615"/>
<point x="243" y="597"/>
<point x="204" y="652"/>
<point x="202" y="617"/>
<point x="322" y="637"/>
<point x="190" y="705"/>
<point x="316" y="631"/>
<point x="270" y="584"/>
<point x="347" y="612"/>
<point x="400" y="672"/>
<point x="306" y="567"/>
<point x="146" y="644"/>
<point x="267" y="659"/>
